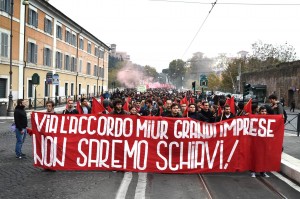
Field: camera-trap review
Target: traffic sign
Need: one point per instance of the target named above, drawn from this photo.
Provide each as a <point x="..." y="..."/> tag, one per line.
<point x="49" y="77"/>
<point x="35" y="79"/>
<point x="55" y="79"/>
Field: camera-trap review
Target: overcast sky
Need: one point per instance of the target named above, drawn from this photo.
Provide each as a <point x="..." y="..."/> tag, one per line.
<point x="155" y="32"/>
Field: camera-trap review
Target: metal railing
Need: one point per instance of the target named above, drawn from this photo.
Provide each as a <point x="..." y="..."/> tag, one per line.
<point x="40" y="103"/>
<point x="293" y="123"/>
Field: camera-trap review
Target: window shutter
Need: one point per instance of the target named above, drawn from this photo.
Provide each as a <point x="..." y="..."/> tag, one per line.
<point x="50" y="57"/>
<point x="36" y="20"/>
<point x="61" y="60"/>
<point x="45" y="24"/>
<point x="5" y="36"/>
<point x="35" y="53"/>
<point x="75" y="68"/>
<point x="29" y="52"/>
<point x="30" y="17"/>
<point x="45" y="57"/>
<point x="50" y="28"/>
<point x="56" y="60"/>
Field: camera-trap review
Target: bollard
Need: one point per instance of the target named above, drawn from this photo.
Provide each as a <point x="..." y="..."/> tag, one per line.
<point x="298" y="125"/>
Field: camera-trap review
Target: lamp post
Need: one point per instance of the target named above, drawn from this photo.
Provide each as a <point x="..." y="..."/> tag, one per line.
<point x="10" y="109"/>
<point x="25" y="3"/>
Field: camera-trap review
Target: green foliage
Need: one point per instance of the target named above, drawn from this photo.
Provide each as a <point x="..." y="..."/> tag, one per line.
<point x="151" y="72"/>
<point x="176" y="72"/>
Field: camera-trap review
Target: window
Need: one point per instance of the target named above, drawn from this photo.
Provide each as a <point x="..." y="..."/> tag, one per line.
<point x="96" y="52"/>
<point x="73" y="64"/>
<point x="30" y="90"/>
<point x="94" y="90"/>
<point x="88" y="69"/>
<point x="101" y="72"/>
<point x="5" y="6"/>
<point x="47" y="56"/>
<point x="81" y="44"/>
<point x="58" y="60"/>
<point x="33" y="18"/>
<point x="48" y="25"/>
<point x="72" y="89"/>
<point x="3" y="44"/>
<point x="89" y="49"/>
<point x="80" y="66"/>
<point x="58" y="32"/>
<point x="79" y="89"/>
<point x="101" y="54"/>
<point x="46" y="89"/>
<point x="3" y="88"/>
<point x="66" y="89"/>
<point x="74" y="40"/>
<point x="56" y="91"/>
<point x="32" y="52"/>
<point x="88" y="89"/>
<point x="67" y="62"/>
<point x="95" y="70"/>
<point x="68" y="37"/>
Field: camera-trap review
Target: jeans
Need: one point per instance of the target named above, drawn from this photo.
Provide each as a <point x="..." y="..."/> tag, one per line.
<point x="20" y="140"/>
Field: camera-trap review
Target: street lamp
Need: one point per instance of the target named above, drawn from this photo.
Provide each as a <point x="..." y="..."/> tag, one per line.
<point x="25" y="3"/>
<point x="10" y="109"/>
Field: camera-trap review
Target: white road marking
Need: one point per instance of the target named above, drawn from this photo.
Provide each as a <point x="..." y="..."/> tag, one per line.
<point x="141" y="186"/>
<point x="121" y="194"/>
<point x="287" y="181"/>
<point x="290" y="134"/>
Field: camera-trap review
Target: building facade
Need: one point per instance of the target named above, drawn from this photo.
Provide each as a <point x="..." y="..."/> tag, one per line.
<point x="45" y="41"/>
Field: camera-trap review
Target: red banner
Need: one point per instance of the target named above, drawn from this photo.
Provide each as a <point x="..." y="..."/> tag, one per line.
<point x="156" y="144"/>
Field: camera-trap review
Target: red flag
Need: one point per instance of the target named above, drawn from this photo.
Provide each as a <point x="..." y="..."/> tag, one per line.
<point x="97" y="107"/>
<point x="185" y="113"/>
<point x="161" y="110"/>
<point x="184" y="101"/>
<point x="248" y="106"/>
<point x="231" y="103"/>
<point x="219" y="110"/>
<point x="101" y="99"/>
<point x="78" y="107"/>
<point x="126" y="106"/>
<point x="192" y="100"/>
<point x="109" y="109"/>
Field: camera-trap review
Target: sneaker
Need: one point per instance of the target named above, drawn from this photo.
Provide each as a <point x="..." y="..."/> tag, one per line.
<point x="265" y="175"/>
<point x="19" y="157"/>
<point x="253" y="175"/>
<point x="23" y="155"/>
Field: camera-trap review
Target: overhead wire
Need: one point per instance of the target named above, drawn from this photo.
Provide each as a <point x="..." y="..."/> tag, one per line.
<point x="213" y="5"/>
<point x="232" y="3"/>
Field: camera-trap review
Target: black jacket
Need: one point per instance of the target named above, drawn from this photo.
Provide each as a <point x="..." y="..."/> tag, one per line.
<point x="20" y="117"/>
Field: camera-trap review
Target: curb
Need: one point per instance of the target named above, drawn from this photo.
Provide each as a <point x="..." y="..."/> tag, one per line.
<point x="290" y="166"/>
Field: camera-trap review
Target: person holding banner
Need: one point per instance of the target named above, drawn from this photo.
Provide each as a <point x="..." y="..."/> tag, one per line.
<point x="86" y="109"/>
<point x="167" y="110"/>
<point x="192" y="111"/>
<point x="262" y="111"/>
<point x="133" y="111"/>
<point x="226" y="114"/>
<point x="206" y="113"/>
<point x="174" y="111"/>
<point x="70" y="108"/>
<point x="21" y="122"/>
<point x="50" y="107"/>
<point x="118" y="108"/>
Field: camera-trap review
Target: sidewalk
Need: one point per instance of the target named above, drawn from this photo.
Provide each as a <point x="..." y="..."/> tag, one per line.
<point x="290" y="159"/>
<point x="58" y="109"/>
